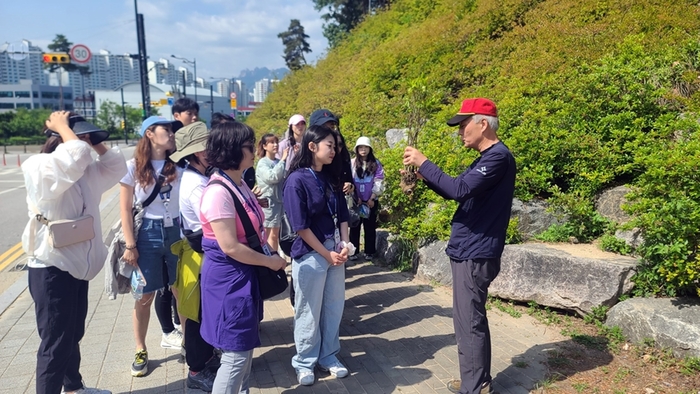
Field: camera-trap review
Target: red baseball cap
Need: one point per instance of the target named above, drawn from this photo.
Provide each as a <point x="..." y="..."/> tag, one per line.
<point x="474" y="106"/>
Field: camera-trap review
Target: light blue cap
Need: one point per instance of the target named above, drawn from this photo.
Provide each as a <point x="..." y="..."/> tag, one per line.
<point x="150" y="121"/>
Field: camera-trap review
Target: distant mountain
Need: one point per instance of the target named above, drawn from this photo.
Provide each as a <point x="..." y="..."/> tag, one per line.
<point x="249" y="77"/>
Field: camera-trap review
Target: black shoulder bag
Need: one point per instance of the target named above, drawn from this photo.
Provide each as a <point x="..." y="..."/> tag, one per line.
<point x="270" y="283"/>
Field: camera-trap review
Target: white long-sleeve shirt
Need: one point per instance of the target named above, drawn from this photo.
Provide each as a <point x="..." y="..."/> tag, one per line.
<point x="57" y="185"/>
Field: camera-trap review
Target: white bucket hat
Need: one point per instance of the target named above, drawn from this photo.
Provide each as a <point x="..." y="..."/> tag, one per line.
<point x="363" y="141"/>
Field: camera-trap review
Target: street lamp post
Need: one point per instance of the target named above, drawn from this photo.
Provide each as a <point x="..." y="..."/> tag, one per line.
<point x="193" y="63"/>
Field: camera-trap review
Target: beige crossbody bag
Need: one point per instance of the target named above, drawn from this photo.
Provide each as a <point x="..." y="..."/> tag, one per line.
<point x="63" y="232"/>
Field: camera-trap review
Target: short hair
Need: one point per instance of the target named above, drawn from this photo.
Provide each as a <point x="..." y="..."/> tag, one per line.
<point x="185" y="104"/>
<point x="218" y="117"/>
<point x="225" y="144"/>
<point x="491" y="120"/>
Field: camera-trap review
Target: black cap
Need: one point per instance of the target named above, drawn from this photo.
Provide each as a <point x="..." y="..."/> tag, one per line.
<point x="321" y="117"/>
<point x="81" y="126"/>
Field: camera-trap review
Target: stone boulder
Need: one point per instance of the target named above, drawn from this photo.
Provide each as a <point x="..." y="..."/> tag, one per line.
<point x="671" y="322"/>
<point x="533" y="217"/>
<point x="433" y="263"/>
<point x="395" y="136"/>
<point x="556" y="278"/>
<point x="609" y="204"/>
<point x="389" y="249"/>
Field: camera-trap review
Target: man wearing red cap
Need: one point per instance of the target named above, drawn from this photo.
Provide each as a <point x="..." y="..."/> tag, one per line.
<point x="485" y="195"/>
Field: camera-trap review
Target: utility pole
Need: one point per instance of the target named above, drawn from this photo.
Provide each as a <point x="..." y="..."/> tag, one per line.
<point x="60" y="88"/>
<point x="211" y="97"/>
<point x="126" y="137"/>
<point x="143" y="65"/>
<point x="184" y="84"/>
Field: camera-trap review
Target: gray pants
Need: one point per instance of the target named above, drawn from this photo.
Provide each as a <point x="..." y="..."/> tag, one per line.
<point x="234" y="373"/>
<point x="470" y="283"/>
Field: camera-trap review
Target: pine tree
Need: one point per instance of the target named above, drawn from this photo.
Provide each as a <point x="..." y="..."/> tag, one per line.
<point x="344" y="15"/>
<point x="295" y="45"/>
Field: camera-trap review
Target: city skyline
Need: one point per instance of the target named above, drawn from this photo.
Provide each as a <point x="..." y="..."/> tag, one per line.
<point x="223" y="38"/>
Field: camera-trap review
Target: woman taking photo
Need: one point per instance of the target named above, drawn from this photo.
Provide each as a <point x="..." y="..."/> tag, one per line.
<point x="64" y="182"/>
<point x="150" y="252"/>
<point x="231" y="302"/>
<point x="270" y="174"/>
<point x="297" y="127"/>
<point x="314" y="201"/>
<point x="368" y="175"/>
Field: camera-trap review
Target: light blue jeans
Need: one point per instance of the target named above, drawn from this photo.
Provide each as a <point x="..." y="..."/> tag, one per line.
<point x="233" y="374"/>
<point x="319" y="303"/>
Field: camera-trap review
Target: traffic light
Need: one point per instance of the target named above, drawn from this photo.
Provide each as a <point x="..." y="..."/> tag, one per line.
<point x="56" y="58"/>
<point x="123" y="125"/>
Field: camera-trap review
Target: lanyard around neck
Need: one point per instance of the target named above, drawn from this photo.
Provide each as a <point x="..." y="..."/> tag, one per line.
<point x="333" y="212"/>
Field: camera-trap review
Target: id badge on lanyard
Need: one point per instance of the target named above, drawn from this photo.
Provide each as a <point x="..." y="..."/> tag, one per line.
<point x="165" y="196"/>
<point x="336" y="231"/>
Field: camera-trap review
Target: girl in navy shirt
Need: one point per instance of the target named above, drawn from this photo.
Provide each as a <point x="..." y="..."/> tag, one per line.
<point x="315" y="204"/>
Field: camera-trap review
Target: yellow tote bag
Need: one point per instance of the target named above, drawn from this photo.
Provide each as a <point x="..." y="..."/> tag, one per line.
<point x="187" y="284"/>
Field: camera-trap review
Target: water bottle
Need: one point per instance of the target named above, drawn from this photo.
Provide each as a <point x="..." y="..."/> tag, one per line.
<point x="138" y="282"/>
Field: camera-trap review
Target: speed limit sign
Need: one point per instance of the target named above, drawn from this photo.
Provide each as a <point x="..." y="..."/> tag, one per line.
<point x="80" y="54"/>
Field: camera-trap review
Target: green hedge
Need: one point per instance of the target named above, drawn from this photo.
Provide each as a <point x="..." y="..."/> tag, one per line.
<point x="591" y="94"/>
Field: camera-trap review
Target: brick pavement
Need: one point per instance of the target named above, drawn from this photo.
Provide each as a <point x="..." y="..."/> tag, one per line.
<point x="396" y="337"/>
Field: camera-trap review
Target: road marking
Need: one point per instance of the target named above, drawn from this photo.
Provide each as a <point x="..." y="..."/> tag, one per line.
<point x="13" y="189"/>
<point x="10" y="256"/>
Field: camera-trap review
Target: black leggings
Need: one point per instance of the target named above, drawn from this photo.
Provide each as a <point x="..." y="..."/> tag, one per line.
<point x="166" y="306"/>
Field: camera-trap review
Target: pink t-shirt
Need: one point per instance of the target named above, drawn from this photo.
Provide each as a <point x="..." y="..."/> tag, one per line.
<point x="217" y="204"/>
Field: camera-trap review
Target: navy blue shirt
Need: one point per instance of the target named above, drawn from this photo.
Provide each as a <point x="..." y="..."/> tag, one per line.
<point x="485" y="195"/>
<point x="308" y="207"/>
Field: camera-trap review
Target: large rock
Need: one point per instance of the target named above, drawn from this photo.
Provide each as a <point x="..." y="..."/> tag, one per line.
<point x="671" y="322"/>
<point x="394" y="136"/>
<point x="389" y="248"/>
<point x="555" y="278"/>
<point x="433" y="263"/>
<point x="533" y="217"/>
<point x="609" y="204"/>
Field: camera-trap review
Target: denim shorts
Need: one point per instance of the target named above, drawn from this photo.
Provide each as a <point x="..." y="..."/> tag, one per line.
<point x="156" y="261"/>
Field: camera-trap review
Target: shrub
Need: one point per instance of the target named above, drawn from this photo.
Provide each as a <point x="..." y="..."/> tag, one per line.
<point x="591" y="95"/>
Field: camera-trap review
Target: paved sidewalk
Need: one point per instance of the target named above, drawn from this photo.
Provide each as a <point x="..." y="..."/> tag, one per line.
<point x="396" y="337"/>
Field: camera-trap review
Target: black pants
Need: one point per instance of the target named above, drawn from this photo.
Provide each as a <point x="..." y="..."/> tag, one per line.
<point x="60" y="303"/>
<point x="166" y="306"/>
<point x="198" y="350"/>
<point x="370" y="225"/>
<point x="470" y="283"/>
<point x="166" y="310"/>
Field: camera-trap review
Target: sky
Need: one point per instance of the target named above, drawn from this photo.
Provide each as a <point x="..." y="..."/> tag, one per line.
<point x="224" y="36"/>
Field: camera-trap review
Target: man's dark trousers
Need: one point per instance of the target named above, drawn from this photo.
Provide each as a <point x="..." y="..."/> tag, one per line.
<point x="470" y="283"/>
<point x="61" y="303"/>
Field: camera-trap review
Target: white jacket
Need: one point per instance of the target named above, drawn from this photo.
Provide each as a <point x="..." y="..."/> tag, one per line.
<point x="57" y="184"/>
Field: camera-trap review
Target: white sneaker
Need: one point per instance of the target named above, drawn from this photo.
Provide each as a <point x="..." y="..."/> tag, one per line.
<point x="305" y="378"/>
<point x="336" y="369"/>
<point x="173" y="340"/>
<point x="90" y="390"/>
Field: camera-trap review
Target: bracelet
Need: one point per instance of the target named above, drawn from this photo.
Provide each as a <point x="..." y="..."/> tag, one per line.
<point x="130" y="247"/>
